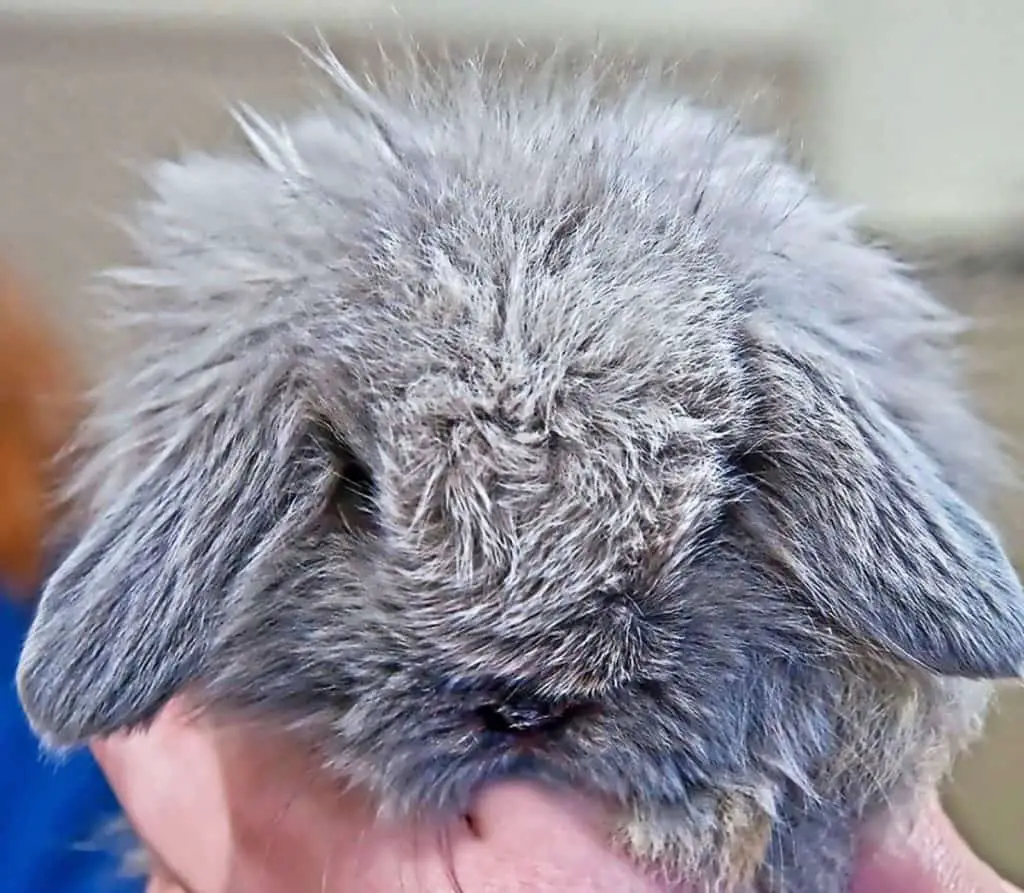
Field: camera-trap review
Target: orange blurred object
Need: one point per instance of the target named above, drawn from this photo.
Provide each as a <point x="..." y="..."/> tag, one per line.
<point x="39" y="403"/>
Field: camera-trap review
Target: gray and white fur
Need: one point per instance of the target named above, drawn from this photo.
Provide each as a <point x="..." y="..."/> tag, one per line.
<point x="485" y="423"/>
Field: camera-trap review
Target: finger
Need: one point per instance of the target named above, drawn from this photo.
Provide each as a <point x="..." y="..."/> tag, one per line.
<point x="161" y="884"/>
<point x="543" y="841"/>
<point x="933" y="858"/>
<point x="168" y="781"/>
<point x="242" y="809"/>
<point x="521" y="839"/>
<point x="225" y="810"/>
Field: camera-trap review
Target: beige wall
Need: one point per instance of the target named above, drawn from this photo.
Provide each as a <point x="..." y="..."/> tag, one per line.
<point x="920" y="117"/>
<point x="730" y="20"/>
<point x="923" y="118"/>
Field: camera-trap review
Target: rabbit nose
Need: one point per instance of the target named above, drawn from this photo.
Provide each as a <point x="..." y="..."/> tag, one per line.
<point x="526" y="716"/>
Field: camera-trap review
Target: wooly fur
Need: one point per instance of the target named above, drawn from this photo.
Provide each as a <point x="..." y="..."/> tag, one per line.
<point x="483" y="424"/>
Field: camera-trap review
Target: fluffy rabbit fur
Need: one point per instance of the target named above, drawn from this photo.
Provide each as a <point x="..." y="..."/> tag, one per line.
<point x="484" y="424"/>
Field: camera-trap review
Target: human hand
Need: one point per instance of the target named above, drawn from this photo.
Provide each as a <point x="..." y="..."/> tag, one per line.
<point x="222" y="810"/>
<point x="933" y="859"/>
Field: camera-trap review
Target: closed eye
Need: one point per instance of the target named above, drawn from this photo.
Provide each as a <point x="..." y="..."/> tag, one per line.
<point x="498" y="708"/>
<point x="525" y="717"/>
<point x="353" y="497"/>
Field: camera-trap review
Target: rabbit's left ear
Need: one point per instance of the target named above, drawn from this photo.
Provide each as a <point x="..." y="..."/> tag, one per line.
<point x="862" y="521"/>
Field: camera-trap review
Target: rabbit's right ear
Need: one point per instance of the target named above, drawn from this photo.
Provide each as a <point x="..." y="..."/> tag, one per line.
<point x="186" y="487"/>
<point x="126" y="620"/>
<point x="191" y="469"/>
<point x="121" y="625"/>
<point x="863" y="524"/>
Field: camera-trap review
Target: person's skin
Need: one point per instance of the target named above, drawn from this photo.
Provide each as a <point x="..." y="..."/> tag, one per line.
<point x="229" y="811"/>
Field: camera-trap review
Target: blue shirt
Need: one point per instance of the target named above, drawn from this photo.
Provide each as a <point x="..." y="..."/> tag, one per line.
<point x="52" y="814"/>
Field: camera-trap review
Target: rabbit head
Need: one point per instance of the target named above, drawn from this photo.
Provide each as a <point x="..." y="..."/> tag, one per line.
<point x="486" y="424"/>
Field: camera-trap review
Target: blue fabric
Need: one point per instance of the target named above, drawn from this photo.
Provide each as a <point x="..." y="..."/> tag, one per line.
<point x="51" y="814"/>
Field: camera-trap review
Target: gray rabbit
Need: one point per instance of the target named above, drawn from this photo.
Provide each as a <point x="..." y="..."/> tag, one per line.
<point x="488" y="422"/>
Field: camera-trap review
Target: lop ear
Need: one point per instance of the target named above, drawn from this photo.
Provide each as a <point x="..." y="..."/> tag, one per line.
<point x="862" y="521"/>
<point x="187" y="445"/>
<point x="117" y="631"/>
<point x="182" y="502"/>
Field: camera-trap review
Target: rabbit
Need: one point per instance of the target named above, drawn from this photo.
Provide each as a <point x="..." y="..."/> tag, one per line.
<point x="486" y="423"/>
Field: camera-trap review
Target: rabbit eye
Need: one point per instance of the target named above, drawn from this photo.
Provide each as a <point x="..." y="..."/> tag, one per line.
<point x="353" y="497"/>
<point x="525" y="716"/>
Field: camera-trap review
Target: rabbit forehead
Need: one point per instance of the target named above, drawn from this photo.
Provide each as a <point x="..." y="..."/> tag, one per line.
<point x="526" y="308"/>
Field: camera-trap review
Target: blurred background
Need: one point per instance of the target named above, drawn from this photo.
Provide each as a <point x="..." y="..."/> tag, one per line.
<point x="909" y="108"/>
